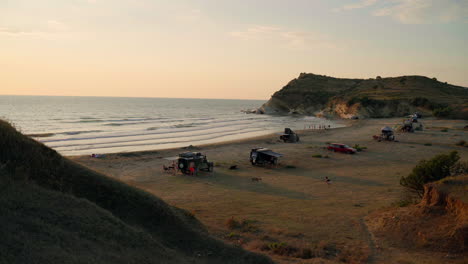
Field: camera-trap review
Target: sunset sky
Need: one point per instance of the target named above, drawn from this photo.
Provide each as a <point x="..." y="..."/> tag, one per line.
<point x="245" y="49"/>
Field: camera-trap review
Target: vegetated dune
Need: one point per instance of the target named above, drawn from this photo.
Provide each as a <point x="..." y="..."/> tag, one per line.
<point x="380" y="97"/>
<point x="439" y="223"/>
<point x="53" y="210"/>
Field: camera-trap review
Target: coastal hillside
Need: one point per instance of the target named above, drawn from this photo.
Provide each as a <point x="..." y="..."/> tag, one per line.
<point x="439" y="223"/>
<point x="53" y="210"/>
<point x="380" y="97"/>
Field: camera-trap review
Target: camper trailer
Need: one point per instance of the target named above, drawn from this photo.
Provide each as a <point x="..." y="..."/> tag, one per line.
<point x="264" y="156"/>
<point x="289" y="136"/>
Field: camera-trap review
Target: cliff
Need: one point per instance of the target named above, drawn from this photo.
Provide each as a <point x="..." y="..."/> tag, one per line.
<point x="380" y="97"/>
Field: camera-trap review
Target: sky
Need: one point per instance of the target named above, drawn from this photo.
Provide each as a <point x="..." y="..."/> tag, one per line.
<point x="233" y="49"/>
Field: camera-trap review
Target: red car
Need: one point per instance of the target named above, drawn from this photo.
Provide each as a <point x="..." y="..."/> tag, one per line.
<point x="336" y="147"/>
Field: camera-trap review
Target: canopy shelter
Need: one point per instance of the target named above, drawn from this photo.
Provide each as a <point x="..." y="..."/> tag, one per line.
<point x="270" y="153"/>
<point x="263" y="156"/>
<point x="387" y="129"/>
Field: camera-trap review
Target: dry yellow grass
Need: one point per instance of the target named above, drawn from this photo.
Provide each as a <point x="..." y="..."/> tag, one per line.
<point x="294" y="205"/>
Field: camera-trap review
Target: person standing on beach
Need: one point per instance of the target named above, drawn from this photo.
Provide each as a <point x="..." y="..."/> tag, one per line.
<point x="327" y="180"/>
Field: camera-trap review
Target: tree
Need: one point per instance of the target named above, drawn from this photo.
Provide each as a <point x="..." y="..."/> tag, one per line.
<point x="429" y="171"/>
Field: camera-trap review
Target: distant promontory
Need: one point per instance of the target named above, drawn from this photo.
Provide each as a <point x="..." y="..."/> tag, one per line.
<point x="326" y="96"/>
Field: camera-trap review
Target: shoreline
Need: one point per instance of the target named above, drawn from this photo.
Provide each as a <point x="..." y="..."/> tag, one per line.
<point x="347" y="123"/>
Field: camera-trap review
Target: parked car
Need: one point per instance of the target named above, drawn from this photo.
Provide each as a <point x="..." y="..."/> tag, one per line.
<point x="336" y="147"/>
<point x="191" y="162"/>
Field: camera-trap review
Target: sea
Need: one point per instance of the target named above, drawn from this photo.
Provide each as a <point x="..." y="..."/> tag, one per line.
<point x="99" y="125"/>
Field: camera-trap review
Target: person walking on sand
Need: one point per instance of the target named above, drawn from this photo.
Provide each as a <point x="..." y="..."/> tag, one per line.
<point x="327" y="180"/>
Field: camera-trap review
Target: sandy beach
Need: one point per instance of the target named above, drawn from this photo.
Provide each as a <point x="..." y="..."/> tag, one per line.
<point x="292" y="204"/>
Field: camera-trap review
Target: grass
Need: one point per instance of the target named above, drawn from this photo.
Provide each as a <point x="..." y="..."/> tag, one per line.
<point x="245" y="225"/>
<point x="52" y="208"/>
<point x="359" y="148"/>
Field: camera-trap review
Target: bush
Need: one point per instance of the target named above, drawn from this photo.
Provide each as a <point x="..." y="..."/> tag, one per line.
<point x="232" y="223"/>
<point x="444" y="130"/>
<point x="461" y="143"/>
<point x="428" y="144"/>
<point x="316" y="156"/>
<point x="359" y="148"/>
<point x="442" y="112"/>
<point x="420" y="102"/>
<point x="459" y="168"/>
<point x="281" y="249"/>
<point x="429" y="171"/>
<point x="244" y="226"/>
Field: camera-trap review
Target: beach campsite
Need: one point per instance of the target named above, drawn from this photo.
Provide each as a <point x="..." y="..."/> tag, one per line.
<point x="233" y="132"/>
<point x="292" y="214"/>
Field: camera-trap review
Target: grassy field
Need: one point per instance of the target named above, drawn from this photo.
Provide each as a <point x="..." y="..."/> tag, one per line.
<point x="53" y="210"/>
<point x="292" y="214"/>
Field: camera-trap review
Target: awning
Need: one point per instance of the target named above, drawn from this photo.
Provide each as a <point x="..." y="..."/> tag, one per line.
<point x="387" y="129"/>
<point x="271" y="153"/>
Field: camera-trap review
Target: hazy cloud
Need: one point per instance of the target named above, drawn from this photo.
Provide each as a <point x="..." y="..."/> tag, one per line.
<point x="49" y="27"/>
<point x="189" y="15"/>
<point x="414" y="11"/>
<point x="15" y="32"/>
<point x="54" y="25"/>
<point x="357" y="5"/>
<point x="424" y="11"/>
<point x="281" y="35"/>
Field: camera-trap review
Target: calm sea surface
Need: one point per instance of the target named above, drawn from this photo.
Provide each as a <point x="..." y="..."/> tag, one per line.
<point x="86" y="125"/>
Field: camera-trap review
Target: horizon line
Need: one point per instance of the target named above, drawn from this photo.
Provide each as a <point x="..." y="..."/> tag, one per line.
<point x="105" y="96"/>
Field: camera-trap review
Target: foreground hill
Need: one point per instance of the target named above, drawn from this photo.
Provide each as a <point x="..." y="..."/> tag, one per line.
<point x="380" y="97"/>
<point x="53" y="210"/>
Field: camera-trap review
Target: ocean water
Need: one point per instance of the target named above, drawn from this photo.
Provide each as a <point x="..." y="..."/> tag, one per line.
<point x="87" y="125"/>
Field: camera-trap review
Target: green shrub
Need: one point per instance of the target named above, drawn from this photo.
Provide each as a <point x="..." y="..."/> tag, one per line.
<point x="444" y="130"/>
<point x="244" y="225"/>
<point x="459" y="168"/>
<point x="442" y="112"/>
<point x="428" y="144"/>
<point x="359" y="148"/>
<point x="461" y="143"/>
<point x="233" y="235"/>
<point x="232" y="223"/>
<point x="290" y="167"/>
<point x="317" y="156"/>
<point x="428" y="171"/>
<point x="281" y="248"/>
<point x="419" y="102"/>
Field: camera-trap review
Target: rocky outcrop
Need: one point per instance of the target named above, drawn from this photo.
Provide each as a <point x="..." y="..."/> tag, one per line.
<point x="438" y="223"/>
<point x="320" y="95"/>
